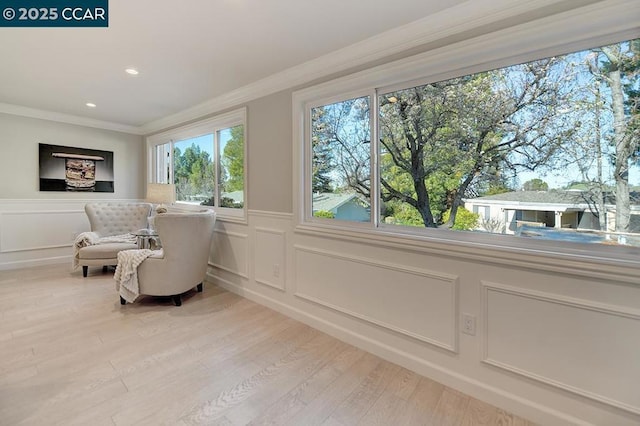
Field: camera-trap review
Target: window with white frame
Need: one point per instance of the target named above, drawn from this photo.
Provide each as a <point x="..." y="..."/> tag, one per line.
<point x="206" y="162"/>
<point x="558" y="135"/>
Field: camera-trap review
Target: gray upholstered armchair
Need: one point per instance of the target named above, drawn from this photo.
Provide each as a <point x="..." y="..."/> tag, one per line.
<point x="182" y="263"/>
<point x="109" y="220"/>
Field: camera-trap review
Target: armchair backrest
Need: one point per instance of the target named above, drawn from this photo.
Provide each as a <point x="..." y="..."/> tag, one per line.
<point x="186" y="238"/>
<point x="117" y="218"/>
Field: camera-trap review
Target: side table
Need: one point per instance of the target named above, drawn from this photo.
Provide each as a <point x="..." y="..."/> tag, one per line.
<point x="145" y="238"/>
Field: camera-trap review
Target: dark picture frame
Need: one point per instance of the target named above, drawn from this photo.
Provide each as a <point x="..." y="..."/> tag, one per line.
<point x="73" y="169"/>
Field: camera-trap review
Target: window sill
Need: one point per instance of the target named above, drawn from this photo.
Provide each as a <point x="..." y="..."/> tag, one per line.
<point x="620" y="264"/>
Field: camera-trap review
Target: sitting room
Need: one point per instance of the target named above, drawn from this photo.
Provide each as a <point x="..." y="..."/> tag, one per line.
<point x="276" y="212"/>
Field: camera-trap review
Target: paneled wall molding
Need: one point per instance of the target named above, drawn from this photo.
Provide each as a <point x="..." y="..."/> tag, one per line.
<point x="40" y="231"/>
<point x="225" y="252"/>
<point x="371" y="320"/>
<point x="572" y="303"/>
<point x="32" y="230"/>
<point x="451" y="281"/>
<point x="342" y="289"/>
<point x="270" y="265"/>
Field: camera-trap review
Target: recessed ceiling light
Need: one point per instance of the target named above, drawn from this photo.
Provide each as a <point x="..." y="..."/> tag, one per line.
<point x="132" y="71"/>
<point x="90" y="104"/>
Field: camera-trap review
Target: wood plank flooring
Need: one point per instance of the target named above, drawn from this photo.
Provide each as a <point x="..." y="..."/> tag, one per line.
<point x="71" y="355"/>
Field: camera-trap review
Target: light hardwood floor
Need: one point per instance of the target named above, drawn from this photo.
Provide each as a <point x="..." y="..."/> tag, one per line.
<point x="71" y="355"/>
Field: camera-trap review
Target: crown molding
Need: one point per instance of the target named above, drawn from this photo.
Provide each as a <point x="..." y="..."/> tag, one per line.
<point x="67" y="118"/>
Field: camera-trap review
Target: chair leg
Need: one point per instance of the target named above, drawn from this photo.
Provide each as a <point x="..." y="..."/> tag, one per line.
<point x="122" y="301"/>
<point x="199" y="287"/>
<point x="177" y="300"/>
<point x="85" y="271"/>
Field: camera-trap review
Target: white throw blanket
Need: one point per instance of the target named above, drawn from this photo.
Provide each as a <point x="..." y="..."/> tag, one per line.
<point x="127" y="272"/>
<point x="85" y="239"/>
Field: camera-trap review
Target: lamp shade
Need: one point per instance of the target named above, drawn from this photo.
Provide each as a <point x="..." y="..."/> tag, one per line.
<point x="161" y="193"/>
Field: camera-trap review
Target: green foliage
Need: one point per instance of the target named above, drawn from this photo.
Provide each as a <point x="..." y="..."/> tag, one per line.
<point x="497" y="189"/>
<point x="229" y="202"/>
<point x="193" y="173"/>
<point x="399" y="213"/>
<point x="535" y="185"/>
<point x="233" y="161"/>
<point x="465" y="220"/>
<point x="324" y="213"/>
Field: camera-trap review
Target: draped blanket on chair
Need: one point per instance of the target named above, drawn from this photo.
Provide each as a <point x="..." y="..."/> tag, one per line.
<point x="126" y="274"/>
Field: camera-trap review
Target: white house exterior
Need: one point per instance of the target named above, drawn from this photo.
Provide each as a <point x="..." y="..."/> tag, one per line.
<point x="508" y="212"/>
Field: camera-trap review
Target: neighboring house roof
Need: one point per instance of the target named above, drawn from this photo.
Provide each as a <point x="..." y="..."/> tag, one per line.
<point x="571" y="198"/>
<point x="329" y="202"/>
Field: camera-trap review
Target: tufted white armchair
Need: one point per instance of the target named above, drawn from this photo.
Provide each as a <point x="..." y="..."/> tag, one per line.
<point x="109" y="219"/>
<point x="182" y="263"/>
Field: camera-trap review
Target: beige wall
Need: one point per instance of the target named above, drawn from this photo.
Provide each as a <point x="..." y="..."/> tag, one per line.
<point x="269" y="153"/>
<point x="19" y="138"/>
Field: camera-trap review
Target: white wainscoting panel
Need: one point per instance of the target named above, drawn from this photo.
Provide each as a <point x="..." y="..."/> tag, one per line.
<point x="231" y="252"/>
<point x="418" y="303"/>
<point x="559" y="340"/>
<point x="270" y="257"/>
<point x="35" y="230"/>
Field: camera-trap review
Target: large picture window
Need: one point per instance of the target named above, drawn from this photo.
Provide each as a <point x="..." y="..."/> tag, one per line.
<point x="206" y="162"/>
<point x="546" y="149"/>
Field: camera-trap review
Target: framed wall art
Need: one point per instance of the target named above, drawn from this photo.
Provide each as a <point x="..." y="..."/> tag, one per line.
<point x="65" y="168"/>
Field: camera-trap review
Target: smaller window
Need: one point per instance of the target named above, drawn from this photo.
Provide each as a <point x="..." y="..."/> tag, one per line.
<point x="206" y="162"/>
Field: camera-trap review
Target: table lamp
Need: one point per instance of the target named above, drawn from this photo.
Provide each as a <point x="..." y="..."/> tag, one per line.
<point x="161" y="194"/>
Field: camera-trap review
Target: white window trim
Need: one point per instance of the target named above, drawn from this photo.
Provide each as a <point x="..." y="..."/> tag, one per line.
<point x="208" y="126"/>
<point x="609" y="22"/>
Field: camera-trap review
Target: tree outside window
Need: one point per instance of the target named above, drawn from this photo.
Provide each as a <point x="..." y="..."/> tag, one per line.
<point x="565" y="129"/>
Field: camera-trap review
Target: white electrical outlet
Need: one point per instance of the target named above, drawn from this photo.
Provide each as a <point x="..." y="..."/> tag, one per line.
<point x="276" y="270"/>
<point x="469" y="324"/>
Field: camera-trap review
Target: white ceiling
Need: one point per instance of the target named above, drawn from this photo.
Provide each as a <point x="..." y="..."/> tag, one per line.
<point x="186" y="52"/>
